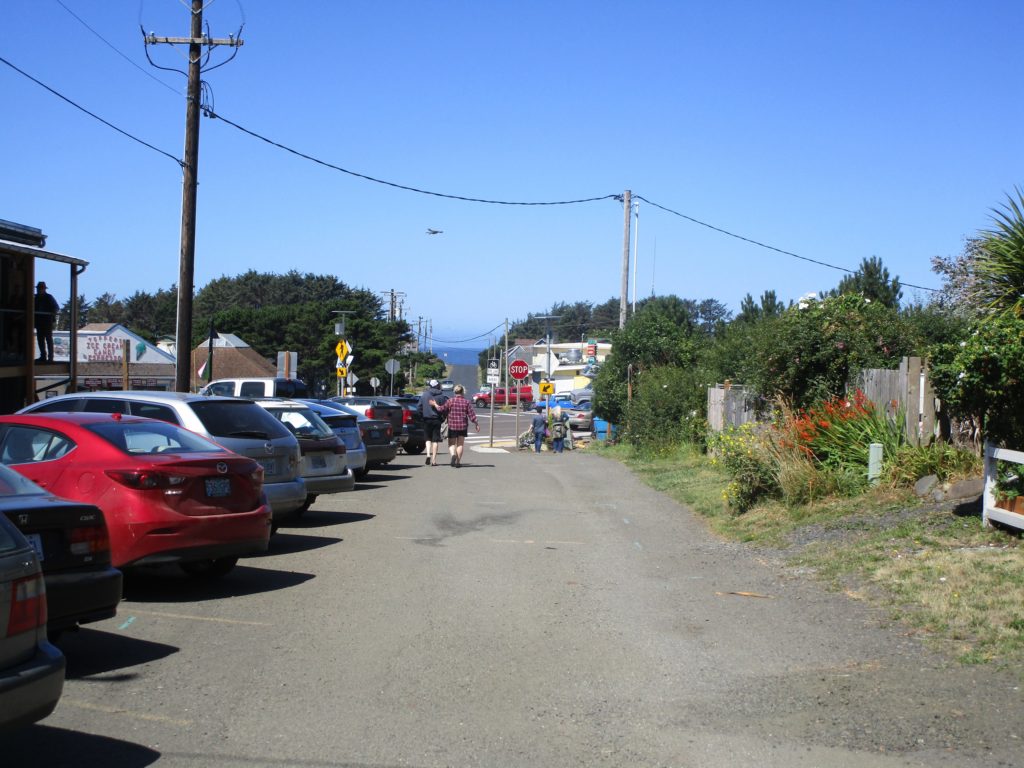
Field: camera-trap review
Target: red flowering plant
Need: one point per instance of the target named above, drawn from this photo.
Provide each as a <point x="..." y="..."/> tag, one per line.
<point x="837" y="432"/>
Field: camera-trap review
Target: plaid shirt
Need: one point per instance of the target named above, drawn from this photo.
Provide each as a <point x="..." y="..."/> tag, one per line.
<point x="460" y="412"/>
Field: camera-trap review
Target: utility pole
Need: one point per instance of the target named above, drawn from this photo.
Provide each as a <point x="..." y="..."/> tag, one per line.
<point x="627" y="207"/>
<point x="186" y="264"/>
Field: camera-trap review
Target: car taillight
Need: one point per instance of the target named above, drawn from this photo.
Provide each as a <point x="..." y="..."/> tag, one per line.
<point x="90" y="540"/>
<point x="147" y="480"/>
<point x="369" y="413"/>
<point x="340" y="449"/>
<point x="389" y="431"/>
<point x="257" y="478"/>
<point x="406" y="416"/>
<point x="28" y="605"/>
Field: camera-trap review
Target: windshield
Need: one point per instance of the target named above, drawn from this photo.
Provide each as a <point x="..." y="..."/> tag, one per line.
<point x="13" y="484"/>
<point x="302" y="422"/>
<point x="237" y="418"/>
<point x="152" y="437"/>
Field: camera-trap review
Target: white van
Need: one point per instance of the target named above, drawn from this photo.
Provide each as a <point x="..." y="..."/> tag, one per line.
<point x="256" y="388"/>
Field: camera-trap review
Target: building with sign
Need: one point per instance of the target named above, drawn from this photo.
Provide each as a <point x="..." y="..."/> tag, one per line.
<point x="573" y="364"/>
<point x="108" y="356"/>
<point x="232" y="358"/>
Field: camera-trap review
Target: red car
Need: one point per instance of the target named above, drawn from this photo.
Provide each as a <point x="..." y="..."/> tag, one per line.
<point x="168" y="495"/>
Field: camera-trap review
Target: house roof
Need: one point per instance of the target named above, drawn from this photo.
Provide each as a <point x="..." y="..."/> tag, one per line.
<point x="233" y="362"/>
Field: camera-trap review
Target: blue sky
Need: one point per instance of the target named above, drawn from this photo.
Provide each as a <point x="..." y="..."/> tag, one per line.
<point x="837" y="131"/>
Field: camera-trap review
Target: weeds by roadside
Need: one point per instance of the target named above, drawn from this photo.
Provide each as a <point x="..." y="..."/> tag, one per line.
<point x="932" y="566"/>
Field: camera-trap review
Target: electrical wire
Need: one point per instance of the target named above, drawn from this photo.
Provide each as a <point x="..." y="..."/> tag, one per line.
<point x="110" y="45"/>
<point x="474" y="338"/>
<point x="21" y="72"/>
<point x="765" y="245"/>
<point x="212" y="114"/>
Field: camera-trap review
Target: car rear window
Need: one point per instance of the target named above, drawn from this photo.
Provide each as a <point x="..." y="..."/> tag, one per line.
<point x="152" y="437"/>
<point x="7" y="540"/>
<point x="227" y="418"/>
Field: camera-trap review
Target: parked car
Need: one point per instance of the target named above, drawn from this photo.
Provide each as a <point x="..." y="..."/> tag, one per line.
<point x="521" y="396"/>
<point x="375" y="407"/>
<point x="239" y="425"/>
<point x="168" y="494"/>
<point x="71" y="541"/>
<point x="346" y="427"/>
<point x="581" y="417"/>
<point x="323" y="464"/>
<point x="377" y="434"/>
<point x="31" y="669"/>
<point x="447" y="385"/>
<point x="578" y="395"/>
<point x="414" y="434"/>
<point x="556" y="401"/>
<point x="256" y="387"/>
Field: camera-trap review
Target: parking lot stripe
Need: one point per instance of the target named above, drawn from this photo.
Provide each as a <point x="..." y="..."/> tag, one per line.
<point x="127" y="712"/>
<point x="204" y="618"/>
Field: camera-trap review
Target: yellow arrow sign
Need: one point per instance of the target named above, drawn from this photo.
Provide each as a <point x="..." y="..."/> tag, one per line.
<point x="342" y="372"/>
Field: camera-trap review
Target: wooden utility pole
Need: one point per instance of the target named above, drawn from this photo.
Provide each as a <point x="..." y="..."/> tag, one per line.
<point x="190" y="180"/>
<point x="627" y="207"/>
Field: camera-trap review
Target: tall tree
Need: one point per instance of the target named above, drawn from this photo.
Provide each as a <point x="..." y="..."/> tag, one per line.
<point x="872" y="281"/>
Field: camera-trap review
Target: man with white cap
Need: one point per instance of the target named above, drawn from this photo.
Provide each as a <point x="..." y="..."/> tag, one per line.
<point x="46" y="312"/>
<point x="431" y="418"/>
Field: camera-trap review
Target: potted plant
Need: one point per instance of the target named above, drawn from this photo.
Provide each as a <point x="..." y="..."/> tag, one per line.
<point x="1009" y="487"/>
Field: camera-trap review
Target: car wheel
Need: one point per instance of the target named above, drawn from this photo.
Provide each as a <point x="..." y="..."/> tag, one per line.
<point x="415" y="448"/>
<point x="305" y="506"/>
<point x="480" y="403"/>
<point x="361" y="473"/>
<point x="210" y="569"/>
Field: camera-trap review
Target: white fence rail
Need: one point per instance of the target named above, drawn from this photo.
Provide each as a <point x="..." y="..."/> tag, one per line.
<point x="990" y="512"/>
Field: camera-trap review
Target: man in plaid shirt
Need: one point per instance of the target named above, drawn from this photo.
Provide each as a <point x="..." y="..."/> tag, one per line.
<point x="460" y="412"/>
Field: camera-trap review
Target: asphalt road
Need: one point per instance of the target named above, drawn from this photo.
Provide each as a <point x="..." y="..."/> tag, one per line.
<point x="523" y="610"/>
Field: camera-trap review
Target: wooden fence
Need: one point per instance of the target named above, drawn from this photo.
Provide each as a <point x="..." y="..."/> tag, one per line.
<point x="907" y="388"/>
<point x="729" y="406"/>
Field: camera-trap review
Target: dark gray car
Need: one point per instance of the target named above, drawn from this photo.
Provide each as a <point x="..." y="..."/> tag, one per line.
<point x="31" y="669"/>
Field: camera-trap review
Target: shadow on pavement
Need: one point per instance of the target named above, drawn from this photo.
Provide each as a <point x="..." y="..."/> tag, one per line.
<point x="92" y="652"/>
<point x="170" y="585"/>
<point x="321" y="519"/>
<point x="284" y="542"/>
<point x="42" y="745"/>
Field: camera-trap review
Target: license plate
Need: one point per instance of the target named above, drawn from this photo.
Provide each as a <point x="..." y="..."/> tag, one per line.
<point x="269" y="466"/>
<point x="319" y="461"/>
<point x="218" y="486"/>
<point x="36" y="542"/>
<point x="374" y="433"/>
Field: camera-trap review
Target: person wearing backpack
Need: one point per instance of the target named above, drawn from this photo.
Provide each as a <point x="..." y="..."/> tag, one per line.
<point x="559" y="428"/>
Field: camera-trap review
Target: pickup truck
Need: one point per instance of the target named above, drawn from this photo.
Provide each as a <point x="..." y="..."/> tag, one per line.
<point x="521" y="396"/>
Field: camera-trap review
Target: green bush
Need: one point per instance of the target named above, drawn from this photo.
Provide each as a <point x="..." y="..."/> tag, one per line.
<point x="744" y="454"/>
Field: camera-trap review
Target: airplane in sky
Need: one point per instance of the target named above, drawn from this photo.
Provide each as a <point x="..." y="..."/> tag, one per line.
<point x="434" y="231"/>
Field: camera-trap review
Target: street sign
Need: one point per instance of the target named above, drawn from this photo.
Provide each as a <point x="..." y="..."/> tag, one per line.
<point x="374" y="382"/>
<point x="519" y="369"/>
<point x="351" y="379"/>
<point x="392" y="366"/>
<point x="341" y="372"/>
<point x="547" y="388"/>
<point x="493" y="371"/>
<point x="342" y="349"/>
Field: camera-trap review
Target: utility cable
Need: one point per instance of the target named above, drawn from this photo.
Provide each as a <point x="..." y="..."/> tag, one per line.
<point x="474" y="338"/>
<point x="110" y="45"/>
<point x="181" y="163"/>
<point x="769" y="247"/>
<point x="212" y="114"/>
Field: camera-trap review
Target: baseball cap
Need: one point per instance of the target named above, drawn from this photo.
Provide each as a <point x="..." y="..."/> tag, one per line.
<point x="433" y="382"/>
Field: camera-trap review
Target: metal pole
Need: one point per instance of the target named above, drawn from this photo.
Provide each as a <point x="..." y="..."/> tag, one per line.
<point x="628" y="208"/>
<point x="636" y="251"/>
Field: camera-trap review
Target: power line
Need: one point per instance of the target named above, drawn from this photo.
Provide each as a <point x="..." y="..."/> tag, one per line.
<point x="769" y="247"/>
<point x="211" y="113"/>
<point x="474" y="338"/>
<point x="110" y="45"/>
<point x="91" y="114"/>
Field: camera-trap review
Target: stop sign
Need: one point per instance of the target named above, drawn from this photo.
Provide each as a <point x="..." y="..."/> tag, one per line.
<point x="518" y="369"/>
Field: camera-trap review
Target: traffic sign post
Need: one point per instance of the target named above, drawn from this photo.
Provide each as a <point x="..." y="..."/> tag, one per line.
<point x="494" y="377"/>
<point x="392" y="366"/>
